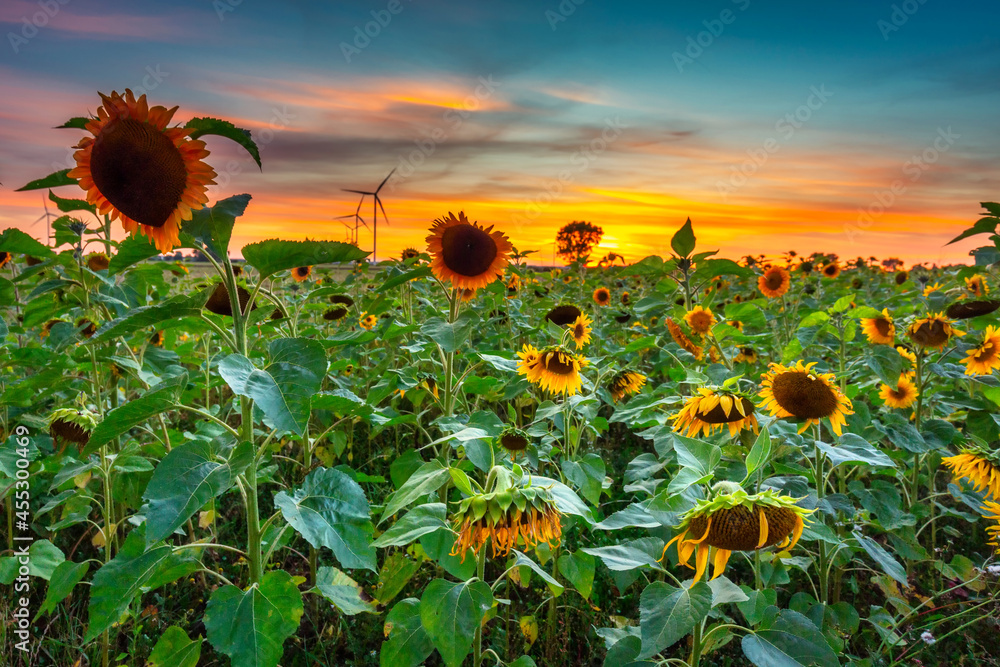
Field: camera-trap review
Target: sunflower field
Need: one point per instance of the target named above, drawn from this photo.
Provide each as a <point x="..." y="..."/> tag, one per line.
<point x="455" y="458"/>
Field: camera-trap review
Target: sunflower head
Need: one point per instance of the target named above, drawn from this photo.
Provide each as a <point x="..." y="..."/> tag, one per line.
<point x="87" y="328"/>
<point x="563" y="314"/>
<point x="156" y="339"/>
<point x="903" y="395"/>
<point x="976" y="286"/>
<point x="831" y="270"/>
<point x="963" y="310"/>
<point x="979" y="465"/>
<point x="513" y="439"/>
<point x="906" y="354"/>
<point x="806" y="267"/>
<point x="466" y="254"/>
<point x="72" y="425"/>
<point x="700" y="320"/>
<point x="902" y="277"/>
<point x="553" y="368"/>
<point x="137" y="170"/>
<point x="409" y="253"/>
<point x="335" y="314"/>
<point x="220" y="304"/>
<point x="747" y="355"/>
<point x="5" y="258"/>
<point x="581" y="330"/>
<point x="624" y="383"/>
<point x="301" y="273"/>
<point x="933" y="331"/>
<point x="991" y="511"/>
<point x="798" y="391"/>
<point x="712" y="409"/>
<point x="682" y="339"/>
<point x="879" y="330"/>
<point x="985" y="357"/>
<point x="98" y="261"/>
<point x="602" y="296"/>
<point x="367" y="322"/>
<point x="774" y="282"/>
<point x="626" y="298"/>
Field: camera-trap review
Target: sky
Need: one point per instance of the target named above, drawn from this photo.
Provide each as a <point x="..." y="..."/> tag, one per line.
<point x="856" y="128"/>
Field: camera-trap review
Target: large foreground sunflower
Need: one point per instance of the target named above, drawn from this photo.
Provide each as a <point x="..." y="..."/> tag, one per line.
<point x="466" y="254"/>
<point x="984" y="358"/>
<point x="774" y="282"/>
<point x="933" y="331"/>
<point x="137" y="170"/>
<point x="552" y="368"/>
<point x="903" y="395"/>
<point x="733" y="520"/>
<point x="879" y="330"/>
<point x="797" y="391"/>
<point x="980" y="467"/>
<point x="712" y="410"/>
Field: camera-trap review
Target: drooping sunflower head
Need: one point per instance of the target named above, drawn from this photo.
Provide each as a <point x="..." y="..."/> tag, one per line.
<point x="47" y="328"/>
<point x="903" y="395"/>
<point x="602" y="296"/>
<point x="976" y="285"/>
<point x="880" y="330"/>
<point x="98" y="261"/>
<point x="220" y="304"/>
<point x="798" y="391"/>
<point x="806" y="267"/>
<point x="87" y="328"/>
<point x="700" y="319"/>
<point x="622" y="317"/>
<point x="466" y="254"/>
<point x="733" y="520"/>
<point x="409" y="253"/>
<point x="552" y="368"/>
<point x="991" y="511"/>
<point x="963" y="310"/>
<point x="712" y="409"/>
<point x="513" y="439"/>
<point x="902" y="277"/>
<point x="137" y="170"/>
<point x="368" y="322"/>
<point x="342" y="300"/>
<point x="625" y="383"/>
<point x="581" y="330"/>
<point x="774" y="282"/>
<point x="513" y="283"/>
<point x="563" y="314"/>
<point x="831" y="270"/>
<point x="682" y="339"/>
<point x="978" y="465"/>
<point x="933" y="331"/>
<point x="335" y="314"/>
<point x="985" y="357"/>
<point x="72" y="425"/>
<point x="301" y="273"/>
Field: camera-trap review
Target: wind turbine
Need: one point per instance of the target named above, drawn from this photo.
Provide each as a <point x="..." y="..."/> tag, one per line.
<point x="376" y="205"/>
<point x="352" y="232"/>
<point x="45" y="216"/>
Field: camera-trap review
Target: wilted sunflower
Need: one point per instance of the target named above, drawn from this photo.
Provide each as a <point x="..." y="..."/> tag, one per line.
<point x="700" y="319"/>
<point x="465" y="254"/>
<point x="991" y="511"/>
<point x="563" y="315"/>
<point x="732" y="520"/>
<point x="220" y="304"/>
<point x="831" y="270"/>
<point x="581" y="330"/>
<point x="903" y="395"/>
<point x="342" y="299"/>
<point x="72" y="425"/>
<point x="137" y="170"/>
<point x="367" y="322"/>
<point x="88" y="327"/>
<point x="410" y="253"/>
<point x="902" y="277"/>
<point x="301" y="273"/>
<point x="985" y="358"/>
<point x="98" y="261"/>
<point x="156" y="339"/>
<point x="746" y="354"/>
<point x="976" y="285"/>
<point x="47" y="328"/>
<point x="505" y="517"/>
<point x="963" y="310"/>
<point x="682" y="340"/>
<point x="602" y="296"/>
<point x="933" y="331"/>
<point x="335" y="314"/>
<point x="711" y="410"/>
<point x="979" y="466"/>
<point x="552" y="368"/>
<point x="513" y="439"/>
<point x="797" y="391"/>
<point x="879" y="330"/>
<point x="622" y="317"/>
<point x="774" y="282"/>
<point x="624" y="383"/>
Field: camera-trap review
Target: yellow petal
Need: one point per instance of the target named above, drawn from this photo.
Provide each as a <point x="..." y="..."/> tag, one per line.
<point x="701" y="562"/>
<point x="763" y="528"/>
<point x="720" y="561"/>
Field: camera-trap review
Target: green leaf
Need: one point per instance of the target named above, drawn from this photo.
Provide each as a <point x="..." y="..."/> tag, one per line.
<point x="855" y="449"/>
<point x="342" y="591"/>
<point x="223" y="128"/>
<point x="212" y="226"/>
<point x="51" y="181"/>
<point x="886" y="363"/>
<point x="701" y="456"/>
<point x="190" y="475"/>
<point x="889" y="565"/>
<point x="70" y="205"/>
<point x="565" y="498"/>
<point x="419" y="521"/>
<point x="116" y="422"/>
<point x="284" y="389"/>
<point x="75" y="123"/>
<point x="175" y="649"/>
<point x="450" y="336"/>
<point x="683" y="241"/>
<point x="428" y="478"/>
<point x="251" y="626"/>
<point x="628" y="556"/>
<point x="275" y="255"/>
<point x="182" y="305"/>
<point x="330" y="510"/>
<point x="413" y="274"/>
<point x="407" y="643"/>
<point x="64" y="577"/>
<point x="985" y="225"/>
<point x="759" y="453"/>
<point x="523" y="561"/>
<point x="451" y="612"/>
<point x="132" y="250"/>
<point x="16" y="242"/>
<point x="793" y="641"/>
<point x="667" y="614"/>
<point x="725" y="591"/>
<point x="587" y="474"/>
<point x="578" y="568"/>
<point x="132" y="572"/>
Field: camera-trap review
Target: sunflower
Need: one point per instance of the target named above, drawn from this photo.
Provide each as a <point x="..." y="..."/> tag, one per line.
<point x="342" y="299"/>
<point x="237" y="270"/>
<point x="736" y="324"/>
<point x="409" y="253"/>
<point x="711" y="410"/>
<point x="700" y="320"/>
<point x="465" y="254"/>
<point x="581" y="330"/>
<point x="831" y="270"/>
<point x="156" y="339"/>
<point x="933" y="331"/>
<point x="513" y="283"/>
<point x="4" y="258"/>
<point x="301" y="273"/>
<point x="220" y="304"/>
<point x="553" y="368"/>
<point x="902" y="277"/>
<point x="682" y="340"/>
<point x="72" y="425"/>
<point x="903" y="395"/>
<point x="98" y="261"/>
<point x="567" y="279"/>
<point x="906" y="354"/>
<point x="513" y="439"/>
<point x="622" y="317"/>
<point x="929" y="289"/>
<point x="806" y="267"/>
<point x="625" y="383"/>
<point x="555" y="273"/>
<point x="879" y="330"/>
<point x="625" y="298"/>
<point x="335" y="314"/>
<point x="732" y="520"/>
<point x="563" y="315"/>
<point x="602" y="296"/>
<point x="797" y="391"/>
<point x="746" y="354"/>
<point x="774" y="282"/>
<point x="985" y="358"/>
<point x="979" y="467"/>
<point x="87" y="328"/>
<point x="976" y="285"/>
<point x="137" y="170"/>
<point x="964" y="310"/>
<point x="993" y="530"/>
<point x="367" y="322"/>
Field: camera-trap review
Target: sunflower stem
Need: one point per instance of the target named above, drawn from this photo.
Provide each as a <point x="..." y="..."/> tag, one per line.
<point x="477" y="644"/>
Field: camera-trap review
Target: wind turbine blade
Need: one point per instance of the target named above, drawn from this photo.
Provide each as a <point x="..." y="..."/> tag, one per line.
<point x="379" y="201"/>
<point x="384" y="180"/>
<point x="359" y="192"/>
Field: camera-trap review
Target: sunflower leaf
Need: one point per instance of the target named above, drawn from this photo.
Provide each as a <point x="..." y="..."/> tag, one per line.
<point x="175" y="649"/>
<point x="792" y="640"/>
<point x="451" y="612"/>
<point x="211" y="227"/>
<point x="667" y="614"/>
<point x="75" y="123"/>
<point x="16" y="242"/>
<point x="407" y="644"/>
<point x="132" y="250"/>
<point x="275" y="255"/>
<point x="51" y="181"/>
<point x="182" y="305"/>
<point x="70" y="205"/>
<point x="116" y="422"/>
<point x="683" y="241"/>
<point x="223" y="128"/>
